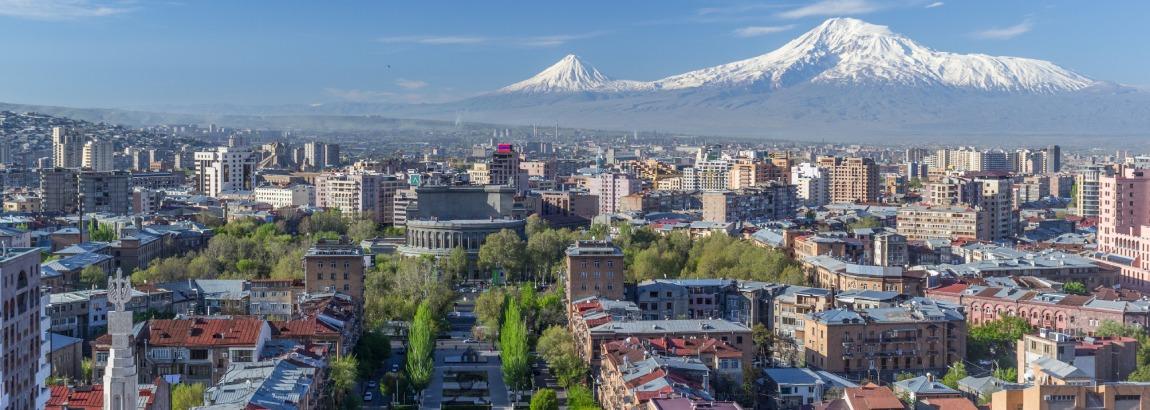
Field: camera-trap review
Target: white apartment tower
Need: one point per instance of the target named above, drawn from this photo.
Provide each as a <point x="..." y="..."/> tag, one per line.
<point x="812" y="185"/>
<point x="225" y="170"/>
<point x="97" y="156"/>
<point x="67" y="148"/>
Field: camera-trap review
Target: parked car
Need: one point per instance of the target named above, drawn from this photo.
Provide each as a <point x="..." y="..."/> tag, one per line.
<point x="368" y="396"/>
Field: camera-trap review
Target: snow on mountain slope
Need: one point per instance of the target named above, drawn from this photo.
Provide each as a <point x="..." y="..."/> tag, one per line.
<point x="851" y="51"/>
<point x="840" y="51"/>
<point x="568" y="75"/>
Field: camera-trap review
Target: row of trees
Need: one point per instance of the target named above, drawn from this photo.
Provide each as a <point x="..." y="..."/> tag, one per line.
<point x="421" y="347"/>
<point x="513" y="347"/>
<point x="557" y="347"/>
<point x="651" y="256"/>
<point x="251" y="249"/>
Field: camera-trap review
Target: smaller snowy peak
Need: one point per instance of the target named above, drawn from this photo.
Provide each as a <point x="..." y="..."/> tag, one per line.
<point x="571" y="75"/>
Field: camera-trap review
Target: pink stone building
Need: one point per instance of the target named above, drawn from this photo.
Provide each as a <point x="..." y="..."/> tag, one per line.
<point x="1124" y="224"/>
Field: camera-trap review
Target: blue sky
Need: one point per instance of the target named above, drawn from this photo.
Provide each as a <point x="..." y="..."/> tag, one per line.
<point x="131" y="53"/>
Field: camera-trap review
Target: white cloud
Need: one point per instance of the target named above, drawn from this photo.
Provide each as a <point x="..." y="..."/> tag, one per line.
<point x="1004" y="33"/>
<point x="59" y="9"/>
<point x="831" y="8"/>
<point x="935" y="4"/>
<point x="738" y="9"/>
<point x="527" y="41"/>
<point x="755" y="31"/>
<point x="410" y="84"/>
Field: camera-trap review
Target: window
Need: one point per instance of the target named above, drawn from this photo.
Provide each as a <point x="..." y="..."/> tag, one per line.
<point x="199" y="354"/>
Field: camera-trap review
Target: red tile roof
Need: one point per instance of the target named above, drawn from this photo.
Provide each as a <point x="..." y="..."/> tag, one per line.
<point x="955" y="288"/>
<point x="202" y="332"/>
<point x="85" y="398"/>
<point x="307" y="327"/>
<point x="872" y="397"/>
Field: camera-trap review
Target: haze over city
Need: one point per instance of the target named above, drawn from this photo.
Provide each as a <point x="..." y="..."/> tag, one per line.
<point x="720" y="205"/>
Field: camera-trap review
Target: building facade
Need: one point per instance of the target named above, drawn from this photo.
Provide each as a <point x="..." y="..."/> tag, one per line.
<point x="852" y="179"/>
<point x="594" y="268"/>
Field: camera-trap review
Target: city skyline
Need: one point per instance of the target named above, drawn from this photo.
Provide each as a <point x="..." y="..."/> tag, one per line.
<point x="139" y="54"/>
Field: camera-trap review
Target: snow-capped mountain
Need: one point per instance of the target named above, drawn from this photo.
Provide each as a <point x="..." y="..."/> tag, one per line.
<point x="851" y="51"/>
<point x="840" y="51"/>
<point x="569" y="75"/>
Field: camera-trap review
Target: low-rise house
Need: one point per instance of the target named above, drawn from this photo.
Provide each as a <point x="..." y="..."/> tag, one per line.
<point x="201" y="349"/>
<point x="630" y="377"/>
<point x="795" y="387"/>
<point x="925" y="387"/>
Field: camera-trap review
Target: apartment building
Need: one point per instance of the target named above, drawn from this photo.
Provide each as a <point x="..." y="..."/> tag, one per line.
<point x="98" y="155"/>
<point x="610" y="188"/>
<point x="21" y="374"/>
<point x="200" y="350"/>
<point x="333" y="266"/>
<point x="1101" y="359"/>
<point x="567" y="208"/>
<point x="359" y="194"/>
<point x="707" y="175"/>
<point x="225" y="169"/>
<point x="683" y="298"/>
<point x="59" y="190"/>
<point x="594" y="268"/>
<point x="630" y="377"/>
<point x="768" y="201"/>
<point x="1124" y="223"/>
<point x="1088" y="181"/>
<point x="294" y="196"/>
<point x="812" y="184"/>
<point x="1118" y="395"/>
<point x="832" y="273"/>
<point x="851" y="179"/>
<point x="1050" y="310"/>
<point x="922" y="222"/>
<point x="67" y="148"/>
<point x="748" y="173"/>
<point x="918" y="336"/>
<point x="105" y="192"/>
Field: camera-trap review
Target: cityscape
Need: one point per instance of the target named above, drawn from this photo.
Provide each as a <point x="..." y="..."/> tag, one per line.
<point x="852" y="220"/>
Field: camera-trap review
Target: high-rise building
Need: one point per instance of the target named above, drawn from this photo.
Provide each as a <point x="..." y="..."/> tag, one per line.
<point x="1124" y="222"/>
<point x="594" y="268"/>
<point x="747" y="173"/>
<point x="852" y="179"/>
<point x="5" y="152"/>
<point x="812" y="184"/>
<point x="98" y="156"/>
<point x="105" y="192"/>
<point x="1087" y="182"/>
<point x="359" y="193"/>
<point x="67" y="148"/>
<point x="994" y="194"/>
<point x="611" y="188"/>
<point x="58" y="190"/>
<point x="20" y="287"/>
<point x="225" y="169"/>
<point x="709" y="175"/>
<point x="331" y="266"/>
<point x="503" y="168"/>
<point x="319" y="155"/>
<point x="1052" y="159"/>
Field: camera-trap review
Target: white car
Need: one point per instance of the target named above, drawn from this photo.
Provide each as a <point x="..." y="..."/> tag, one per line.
<point x="368" y="396"/>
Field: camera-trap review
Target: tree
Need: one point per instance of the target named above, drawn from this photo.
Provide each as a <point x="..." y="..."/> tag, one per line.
<point x="371" y="350"/>
<point x="503" y="251"/>
<point x="535" y="224"/>
<point x="98" y="232"/>
<point x="489" y="310"/>
<point x="1008" y="374"/>
<point x="557" y="347"/>
<point x="763" y="340"/>
<point x="579" y="398"/>
<point x="544" y="399"/>
<point x="903" y="376"/>
<point x="1075" y="288"/>
<point x="86" y="370"/>
<point x="93" y="276"/>
<point x="362" y="229"/>
<point x="513" y="347"/>
<point x="421" y="341"/>
<point x="995" y="340"/>
<point x="457" y="262"/>
<point x="957" y="372"/>
<point x="546" y="248"/>
<point x="342" y="370"/>
<point x="1110" y="328"/>
<point x="598" y="231"/>
<point x="1141" y="374"/>
<point x="187" y="396"/>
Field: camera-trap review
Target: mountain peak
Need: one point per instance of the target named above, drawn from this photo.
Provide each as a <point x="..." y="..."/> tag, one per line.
<point x="569" y="74"/>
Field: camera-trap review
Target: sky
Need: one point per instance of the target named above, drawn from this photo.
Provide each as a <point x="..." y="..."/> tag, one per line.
<point x="147" y="53"/>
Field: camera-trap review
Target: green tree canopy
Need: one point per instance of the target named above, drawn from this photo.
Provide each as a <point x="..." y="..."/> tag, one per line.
<point x="957" y="372"/>
<point x="421" y="342"/>
<point x="93" y="276"/>
<point x="503" y="251"/>
<point x="187" y="396"/>
<point x="544" y="399"/>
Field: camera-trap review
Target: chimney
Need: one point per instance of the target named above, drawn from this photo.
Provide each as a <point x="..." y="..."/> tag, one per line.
<point x="929" y="377"/>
